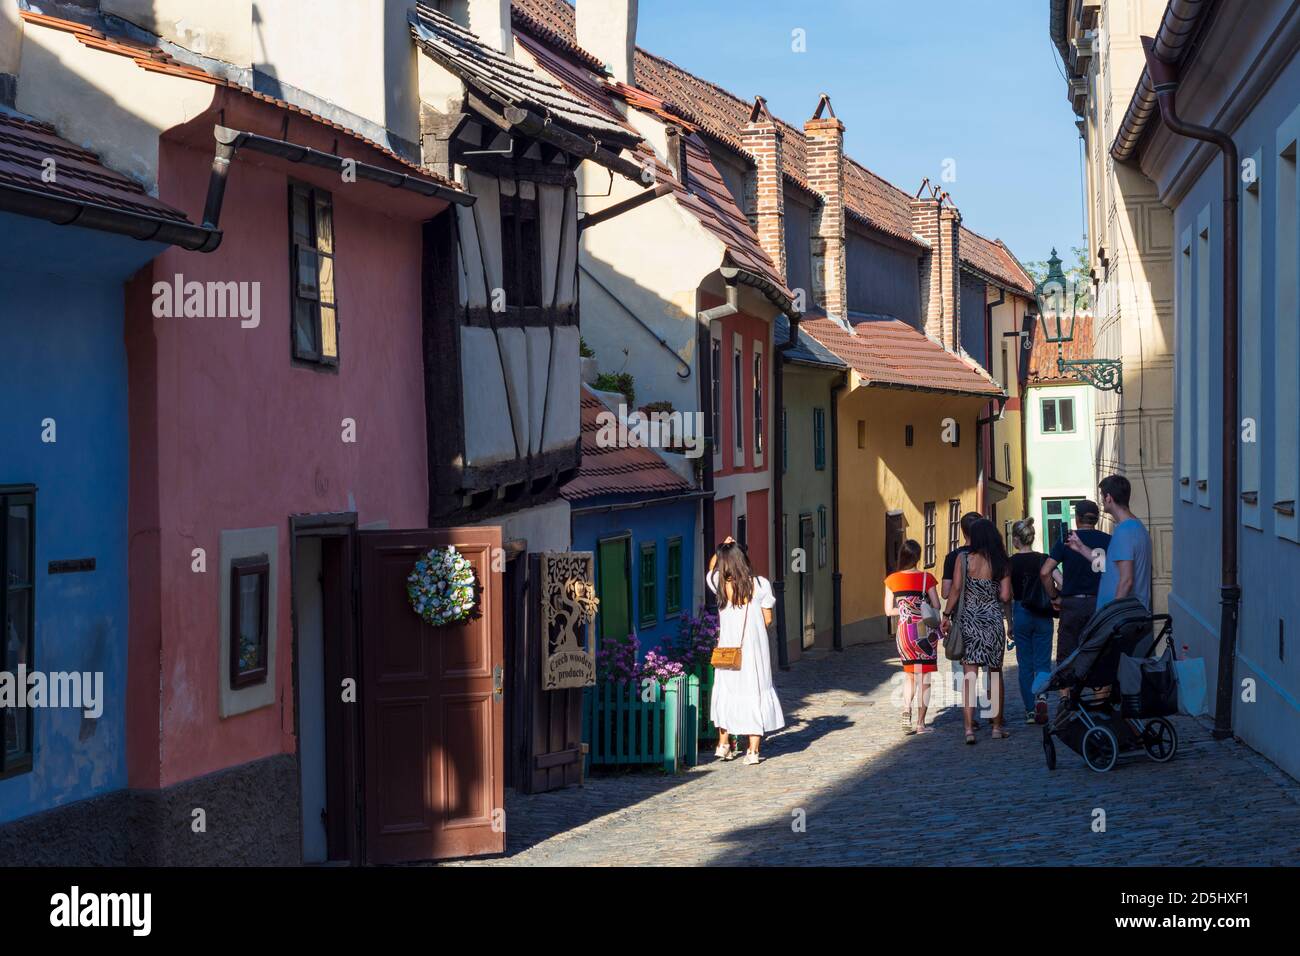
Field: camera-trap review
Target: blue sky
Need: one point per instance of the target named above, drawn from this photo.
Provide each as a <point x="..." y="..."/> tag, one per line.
<point x="916" y="82"/>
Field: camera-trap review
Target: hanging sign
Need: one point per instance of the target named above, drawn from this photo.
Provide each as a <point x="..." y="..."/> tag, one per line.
<point x="569" y="604"/>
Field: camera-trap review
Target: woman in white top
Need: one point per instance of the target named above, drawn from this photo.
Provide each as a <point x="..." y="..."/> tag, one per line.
<point x="743" y="701"/>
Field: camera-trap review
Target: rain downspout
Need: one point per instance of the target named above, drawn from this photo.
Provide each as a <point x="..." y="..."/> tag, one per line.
<point x="837" y="605"/>
<point x="704" y="356"/>
<point x="1164" y="78"/>
<point x="778" y="487"/>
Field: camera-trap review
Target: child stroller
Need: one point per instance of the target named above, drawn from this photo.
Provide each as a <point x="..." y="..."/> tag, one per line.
<point x="1090" y="722"/>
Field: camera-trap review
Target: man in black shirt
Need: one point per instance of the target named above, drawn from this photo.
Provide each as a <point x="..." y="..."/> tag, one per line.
<point x="1076" y="598"/>
<point x="950" y="562"/>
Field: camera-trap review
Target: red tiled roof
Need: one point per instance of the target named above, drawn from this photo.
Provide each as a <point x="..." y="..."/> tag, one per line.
<point x="1042" y="356"/>
<point x="995" y="260"/>
<point x="704" y="192"/>
<point x="868" y="198"/>
<point x="155" y="60"/>
<point x="79" y="176"/>
<point x="617" y="470"/>
<point x="889" y="352"/>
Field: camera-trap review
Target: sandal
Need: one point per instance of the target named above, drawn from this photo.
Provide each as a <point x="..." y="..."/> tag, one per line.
<point x="970" y="738"/>
<point x="908" y="730"/>
<point x="1000" y="733"/>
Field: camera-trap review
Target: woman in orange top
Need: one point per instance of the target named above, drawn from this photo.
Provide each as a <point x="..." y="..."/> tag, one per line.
<point x="905" y="590"/>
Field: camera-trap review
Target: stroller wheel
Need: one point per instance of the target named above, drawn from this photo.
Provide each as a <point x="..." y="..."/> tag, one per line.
<point x="1049" y="749"/>
<point x="1160" y="740"/>
<point x="1100" y="749"/>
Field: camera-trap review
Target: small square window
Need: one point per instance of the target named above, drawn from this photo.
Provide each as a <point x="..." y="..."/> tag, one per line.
<point x="249" y="601"/>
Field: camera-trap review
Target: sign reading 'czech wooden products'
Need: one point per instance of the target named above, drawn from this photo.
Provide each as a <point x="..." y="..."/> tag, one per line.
<point x="569" y="603"/>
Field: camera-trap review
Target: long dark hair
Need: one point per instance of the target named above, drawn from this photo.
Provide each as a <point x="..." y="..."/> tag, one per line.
<point x="987" y="542"/>
<point x="733" y="568"/>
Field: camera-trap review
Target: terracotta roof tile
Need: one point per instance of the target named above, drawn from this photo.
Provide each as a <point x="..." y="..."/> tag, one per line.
<point x="889" y="352"/>
<point x="617" y="470"/>
<point x="995" y="260"/>
<point x="1042" y="356"/>
<point x="26" y="144"/>
<point x="705" y="195"/>
<point x="868" y="198"/>
<point x="158" y="61"/>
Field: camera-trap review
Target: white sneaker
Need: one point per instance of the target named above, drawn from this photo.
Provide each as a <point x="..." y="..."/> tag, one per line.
<point x="751" y="758"/>
<point x="724" y="753"/>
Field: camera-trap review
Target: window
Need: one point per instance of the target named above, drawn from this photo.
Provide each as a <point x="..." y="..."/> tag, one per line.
<point x="954" y="523"/>
<point x="738" y="401"/>
<point x="909" y="435"/>
<point x="521" y="247"/>
<point x="758" y="403"/>
<point x="1006" y="460"/>
<point x="311" y="267"/>
<point x="716" y="366"/>
<point x="742" y="531"/>
<point x="649" y="590"/>
<point x="249" y="597"/>
<point x="862" y="433"/>
<point x="819" y="439"/>
<point x="822" y="536"/>
<point x="1204" y="271"/>
<point x="931" y="534"/>
<point x="673" y="578"/>
<point x="1183" y="348"/>
<point x="1252" y="291"/>
<point x="17" y="613"/>
<point x="1058" y="416"/>
<point x="1285" y="339"/>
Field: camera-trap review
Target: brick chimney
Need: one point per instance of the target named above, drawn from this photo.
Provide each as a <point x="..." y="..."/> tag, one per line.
<point x="825" y="136"/>
<point x="607" y="30"/>
<point x="935" y="218"/>
<point x="766" y="189"/>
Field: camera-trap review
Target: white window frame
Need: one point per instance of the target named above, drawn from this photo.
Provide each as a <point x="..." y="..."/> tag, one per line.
<point x="1204" y="384"/>
<point x="1286" y="337"/>
<point x="738" y="426"/>
<point x="757" y="397"/>
<point x="1252" y="293"/>
<point x="719" y="394"/>
<point x="1183" y="349"/>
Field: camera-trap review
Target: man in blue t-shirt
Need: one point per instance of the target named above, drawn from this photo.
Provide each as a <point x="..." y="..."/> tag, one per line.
<point x="1076" y="599"/>
<point x="1126" y="567"/>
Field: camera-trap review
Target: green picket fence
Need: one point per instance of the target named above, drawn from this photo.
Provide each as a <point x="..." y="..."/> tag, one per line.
<point x="621" y="728"/>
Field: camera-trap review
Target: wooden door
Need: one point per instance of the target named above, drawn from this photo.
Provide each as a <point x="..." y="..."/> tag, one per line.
<point x="433" y="716"/>
<point x="614" y="586"/>
<point x="807" y="590"/>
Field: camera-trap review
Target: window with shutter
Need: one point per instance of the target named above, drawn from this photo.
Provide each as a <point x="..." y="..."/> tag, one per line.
<point x="313" y="309"/>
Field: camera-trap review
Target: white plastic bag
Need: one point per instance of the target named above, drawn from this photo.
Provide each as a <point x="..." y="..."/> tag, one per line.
<point x="1191" y="685"/>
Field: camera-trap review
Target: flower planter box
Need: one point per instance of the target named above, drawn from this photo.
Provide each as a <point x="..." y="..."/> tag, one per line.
<point x="621" y="729"/>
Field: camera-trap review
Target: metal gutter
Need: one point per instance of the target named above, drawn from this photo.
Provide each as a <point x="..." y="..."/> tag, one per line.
<point x="733" y="274"/>
<point x="1172" y="45"/>
<point x="230" y="141"/>
<point x="90" y="215"/>
<point x="640" y="503"/>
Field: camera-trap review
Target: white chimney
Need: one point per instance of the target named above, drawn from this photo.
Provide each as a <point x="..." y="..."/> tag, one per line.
<point x="489" y="20"/>
<point x="607" y="30"/>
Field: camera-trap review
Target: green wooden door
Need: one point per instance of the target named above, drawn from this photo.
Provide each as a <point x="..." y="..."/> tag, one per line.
<point x="1056" y="520"/>
<point x="614" y="586"/>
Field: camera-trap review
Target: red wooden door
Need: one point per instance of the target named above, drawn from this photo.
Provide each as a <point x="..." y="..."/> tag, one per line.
<point x="433" y="719"/>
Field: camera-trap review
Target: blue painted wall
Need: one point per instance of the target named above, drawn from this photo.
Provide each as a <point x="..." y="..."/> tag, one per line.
<point x="658" y="524"/>
<point x="1268" y="563"/>
<point x="63" y="357"/>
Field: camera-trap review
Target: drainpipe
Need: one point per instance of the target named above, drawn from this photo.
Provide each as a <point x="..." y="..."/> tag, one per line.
<point x="837" y="607"/>
<point x="1164" y="78"/>
<point x="704" y="356"/>
<point x="991" y="452"/>
<point x="778" y="497"/>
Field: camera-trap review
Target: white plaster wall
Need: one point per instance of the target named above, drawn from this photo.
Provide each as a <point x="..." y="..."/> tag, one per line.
<point x="487" y="418"/>
<point x="11" y="36"/>
<point x="545" y="528"/>
<point x="222" y="30"/>
<point x="652" y="260"/>
<point x="105" y="102"/>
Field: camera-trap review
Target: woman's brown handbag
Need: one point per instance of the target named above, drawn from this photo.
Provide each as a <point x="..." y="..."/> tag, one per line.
<point x="728" y="658"/>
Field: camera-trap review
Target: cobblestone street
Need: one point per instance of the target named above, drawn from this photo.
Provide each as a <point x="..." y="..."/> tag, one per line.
<point x="869" y="795"/>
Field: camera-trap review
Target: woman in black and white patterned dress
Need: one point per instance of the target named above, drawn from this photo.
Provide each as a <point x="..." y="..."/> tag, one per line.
<point x="984" y="572"/>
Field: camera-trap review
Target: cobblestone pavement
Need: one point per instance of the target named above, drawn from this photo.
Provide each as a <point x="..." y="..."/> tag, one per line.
<point x="869" y="795"/>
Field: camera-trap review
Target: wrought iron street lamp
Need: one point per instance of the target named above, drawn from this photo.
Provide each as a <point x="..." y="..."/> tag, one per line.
<point x="1058" y="306"/>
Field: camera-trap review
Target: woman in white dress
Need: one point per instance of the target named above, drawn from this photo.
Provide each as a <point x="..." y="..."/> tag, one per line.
<point x="744" y="701"/>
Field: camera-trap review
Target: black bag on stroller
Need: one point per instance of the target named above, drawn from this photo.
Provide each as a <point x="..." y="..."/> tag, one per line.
<point x="1148" y="686"/>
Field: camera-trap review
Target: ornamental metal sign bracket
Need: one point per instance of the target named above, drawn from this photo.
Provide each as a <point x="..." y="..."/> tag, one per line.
<point x="1107" y="375"/>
